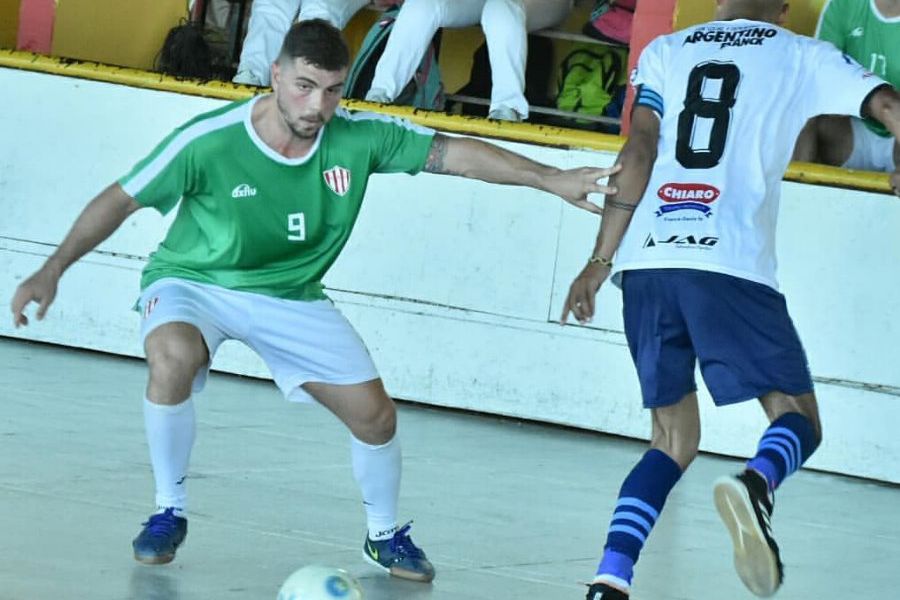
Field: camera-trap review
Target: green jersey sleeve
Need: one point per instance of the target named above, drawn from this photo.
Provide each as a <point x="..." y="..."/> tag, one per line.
<point x="399" y="145"/>
<point x="833" y="23"/>
<point x="164" y="176"/>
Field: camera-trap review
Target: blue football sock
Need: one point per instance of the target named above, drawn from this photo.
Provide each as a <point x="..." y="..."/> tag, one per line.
<point x="641" y="499"/>
<point x="784" y="447"/>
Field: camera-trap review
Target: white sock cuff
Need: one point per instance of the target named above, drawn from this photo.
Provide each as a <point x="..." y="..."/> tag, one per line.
<point x="387" y="444"/>
<point x="613" y="581"/>
<point x="172" y="409"/>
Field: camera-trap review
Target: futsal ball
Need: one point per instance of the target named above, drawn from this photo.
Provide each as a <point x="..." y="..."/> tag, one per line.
<point x="315" y="582"/>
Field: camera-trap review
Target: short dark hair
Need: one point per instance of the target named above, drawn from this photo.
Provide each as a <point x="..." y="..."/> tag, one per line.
<point x="318" y="42"/>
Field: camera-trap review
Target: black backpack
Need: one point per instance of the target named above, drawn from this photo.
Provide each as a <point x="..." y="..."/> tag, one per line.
<point x="538" y="71"/>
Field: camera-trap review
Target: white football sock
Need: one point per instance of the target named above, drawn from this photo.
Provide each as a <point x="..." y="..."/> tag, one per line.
<point x="170" y="436"/>
<point x="377" y="471"/>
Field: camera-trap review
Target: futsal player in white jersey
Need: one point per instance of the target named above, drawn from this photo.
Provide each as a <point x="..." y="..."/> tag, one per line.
<point x="268" y="191"/>
<point x="692" y="235"/>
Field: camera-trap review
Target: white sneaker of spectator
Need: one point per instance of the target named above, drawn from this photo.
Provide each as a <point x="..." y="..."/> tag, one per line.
<point x="374" y="95"/>
<point x="504" y="113"/>
<point x="246" y="78"/>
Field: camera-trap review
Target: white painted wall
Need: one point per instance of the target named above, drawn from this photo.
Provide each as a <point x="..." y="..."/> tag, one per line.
<point x="454" y="284"/>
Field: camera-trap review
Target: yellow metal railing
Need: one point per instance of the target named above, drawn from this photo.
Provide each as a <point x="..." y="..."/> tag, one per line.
<point x="518" y="132"/>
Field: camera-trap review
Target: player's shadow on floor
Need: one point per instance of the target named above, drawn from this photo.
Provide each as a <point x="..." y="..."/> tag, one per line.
<point x="153" y="583"/>
<point x="380" y="586"/>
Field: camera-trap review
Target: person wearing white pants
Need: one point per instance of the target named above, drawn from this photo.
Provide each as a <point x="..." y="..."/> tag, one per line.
<point x="269" y="23"/>
<point x="506" y="24"/>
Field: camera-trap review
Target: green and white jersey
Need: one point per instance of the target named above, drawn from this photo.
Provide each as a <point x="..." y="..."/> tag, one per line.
<point x="859" y="30"/>
<point x="251" y="219"/>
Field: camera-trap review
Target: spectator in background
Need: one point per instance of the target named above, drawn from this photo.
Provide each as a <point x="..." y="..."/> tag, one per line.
<point x="869" y="32"/>
<point x="505" y="24"/>
<point x="270" y="21"/>
<point x="611" y="21"/>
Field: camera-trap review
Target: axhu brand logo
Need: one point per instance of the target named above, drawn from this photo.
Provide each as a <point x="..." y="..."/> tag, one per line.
<point x="243" y="191"/>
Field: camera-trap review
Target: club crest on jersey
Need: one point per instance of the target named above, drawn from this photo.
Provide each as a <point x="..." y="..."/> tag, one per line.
<point x="338" y="180"/>
<point x="151" y="304"/>
<point x="687" y="196"/>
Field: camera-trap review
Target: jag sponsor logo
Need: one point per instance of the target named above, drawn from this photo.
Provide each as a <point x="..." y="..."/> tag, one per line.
<point x="687" y="196"/>
<point x="682" y="241"/>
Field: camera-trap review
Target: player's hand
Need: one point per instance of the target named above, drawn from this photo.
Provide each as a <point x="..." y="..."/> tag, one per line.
<point x="40" y="288"/>
<point x="574" y="185"/>
<point x="583" y="292"/>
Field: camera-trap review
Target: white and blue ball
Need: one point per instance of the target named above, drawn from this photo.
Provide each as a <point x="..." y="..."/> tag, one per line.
<point x="314" y="582"/>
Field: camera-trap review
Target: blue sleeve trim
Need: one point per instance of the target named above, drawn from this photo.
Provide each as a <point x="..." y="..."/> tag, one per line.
<point x="650" y="99"/>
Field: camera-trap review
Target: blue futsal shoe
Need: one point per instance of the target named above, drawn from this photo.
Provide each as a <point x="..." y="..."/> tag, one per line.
<point x="399" y="556"/>
<point x="162" y="534"/>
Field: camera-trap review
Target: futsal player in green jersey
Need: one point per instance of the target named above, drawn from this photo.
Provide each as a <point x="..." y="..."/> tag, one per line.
<point x="269" y="191"/>
<point x="869" y="32"/>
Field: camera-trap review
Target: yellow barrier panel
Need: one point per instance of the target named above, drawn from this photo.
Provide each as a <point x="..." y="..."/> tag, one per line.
<point x="129" y="33"/>
<point x="517" y="132"/>
<point x="9" y="23"/>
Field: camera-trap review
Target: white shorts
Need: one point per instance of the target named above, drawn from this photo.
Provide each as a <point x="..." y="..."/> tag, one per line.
<point x="871" y="152"/>
<point x="299" y="341"/>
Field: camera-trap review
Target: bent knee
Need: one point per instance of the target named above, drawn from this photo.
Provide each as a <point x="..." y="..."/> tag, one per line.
<point x="426" y="14"/>
<point x="499" y="15"/>
<point x="378" y="426"/>
<point x="174" y="357"/>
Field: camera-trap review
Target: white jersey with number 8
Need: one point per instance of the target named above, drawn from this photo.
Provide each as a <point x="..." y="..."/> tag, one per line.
<point x="732" y="97"/>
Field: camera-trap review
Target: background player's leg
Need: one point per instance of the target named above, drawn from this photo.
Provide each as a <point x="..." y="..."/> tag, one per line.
<point x="370" y="415"/>
<point x="270" y="21"/>
<point x="503" y="22"/>
<point x="826" y="139"/>
<point x="807" y="147"/>
<point x="835" y="139"/>
<point x="336" y="12"/>
<point x="175" y="352"/>
<point x="415" y="26"/>
<point x="676" y="438"/>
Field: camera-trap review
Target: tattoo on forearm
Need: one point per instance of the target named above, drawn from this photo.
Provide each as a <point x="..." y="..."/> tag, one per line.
<point x="436" y="156"/>
<point x="620" y="205"/>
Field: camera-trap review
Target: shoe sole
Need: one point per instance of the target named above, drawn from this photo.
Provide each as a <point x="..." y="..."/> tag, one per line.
<point x="157" y="559"/>
<point x="154" y="559"/>
<point x="754" y="560"/>
<point x="399" y="573"/>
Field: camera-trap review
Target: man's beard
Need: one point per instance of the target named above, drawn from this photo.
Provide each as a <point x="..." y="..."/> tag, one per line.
<point x="303" y="135"/>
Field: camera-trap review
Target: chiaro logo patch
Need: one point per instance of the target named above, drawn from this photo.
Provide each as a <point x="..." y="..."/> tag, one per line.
<point x="687" y="196"/>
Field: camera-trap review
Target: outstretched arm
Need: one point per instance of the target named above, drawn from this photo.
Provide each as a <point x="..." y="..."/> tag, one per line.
<point x="884" y="105"/>
<point x="100" y="218"/>
<point x="468" y="157"/>
<point x="637" y="158"/>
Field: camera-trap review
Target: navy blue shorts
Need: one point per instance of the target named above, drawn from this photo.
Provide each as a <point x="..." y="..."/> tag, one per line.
<point x="739" y="330"/>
